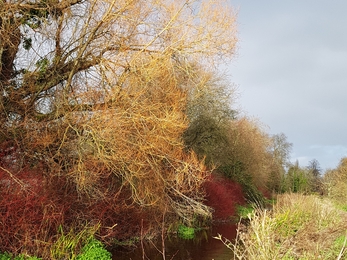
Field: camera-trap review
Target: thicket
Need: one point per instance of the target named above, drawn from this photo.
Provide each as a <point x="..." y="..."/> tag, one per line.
<point x="93" y="99"/>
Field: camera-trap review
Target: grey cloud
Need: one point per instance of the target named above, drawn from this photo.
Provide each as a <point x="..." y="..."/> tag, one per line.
<point x="292" y="72"/>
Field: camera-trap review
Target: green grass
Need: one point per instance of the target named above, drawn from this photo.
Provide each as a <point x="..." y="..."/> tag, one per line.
<point x="71" y="245"/>
<point x="93" y="249"/>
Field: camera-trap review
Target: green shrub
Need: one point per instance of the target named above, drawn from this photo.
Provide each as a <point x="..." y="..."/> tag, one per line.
<point x="186" y="232"/>
<point x="94" y="249"/>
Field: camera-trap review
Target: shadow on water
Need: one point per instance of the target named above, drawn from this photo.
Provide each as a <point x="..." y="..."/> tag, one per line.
<point x="203" y="247"/>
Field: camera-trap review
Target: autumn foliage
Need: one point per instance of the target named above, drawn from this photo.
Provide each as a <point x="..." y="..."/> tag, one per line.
<point x="93" y="100"/>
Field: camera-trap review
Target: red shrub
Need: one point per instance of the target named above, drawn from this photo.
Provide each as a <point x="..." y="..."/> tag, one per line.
<point x="223" y="195"/>
<point x="118" y="219"/>
<point x="28" y="215"/>
<point x="34" y="205"/>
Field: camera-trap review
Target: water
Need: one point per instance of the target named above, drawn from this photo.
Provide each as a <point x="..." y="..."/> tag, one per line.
<point x="203" y="247"/>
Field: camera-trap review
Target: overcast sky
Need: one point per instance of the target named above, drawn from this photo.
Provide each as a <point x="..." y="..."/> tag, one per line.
<point x="291" y="73"/>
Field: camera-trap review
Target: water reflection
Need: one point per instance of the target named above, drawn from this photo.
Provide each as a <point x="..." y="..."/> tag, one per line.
<point x="203" y="247"/>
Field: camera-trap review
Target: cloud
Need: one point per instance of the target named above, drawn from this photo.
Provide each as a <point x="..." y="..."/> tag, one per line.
<point x="328" y="156"/>
<point x="291" y="73"/>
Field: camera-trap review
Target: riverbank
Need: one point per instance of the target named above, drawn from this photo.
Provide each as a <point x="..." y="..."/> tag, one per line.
<point x="298" y="227"/>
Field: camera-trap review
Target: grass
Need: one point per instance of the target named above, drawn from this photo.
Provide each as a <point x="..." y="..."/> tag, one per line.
<point x="69" y="243"/>
<point x="92" y="250"/>
<point x="245" y="211"/>
<point x="80" y="245"/>
<point x="298" y="227"/>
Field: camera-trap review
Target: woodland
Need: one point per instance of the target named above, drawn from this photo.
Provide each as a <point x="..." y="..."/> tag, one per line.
<point x="117" y="122"/>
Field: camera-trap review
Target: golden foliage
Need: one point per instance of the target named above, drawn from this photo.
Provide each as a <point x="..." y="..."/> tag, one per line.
<point x="137" y="139"/>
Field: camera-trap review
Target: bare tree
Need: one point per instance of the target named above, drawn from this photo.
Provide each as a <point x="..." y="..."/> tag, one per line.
<point x="314" y="168"/>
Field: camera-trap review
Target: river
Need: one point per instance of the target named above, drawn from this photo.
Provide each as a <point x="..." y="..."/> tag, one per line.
<point x="202" y="247"/>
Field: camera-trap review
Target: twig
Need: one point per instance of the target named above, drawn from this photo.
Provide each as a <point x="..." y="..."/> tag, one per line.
<point x="18" y="181"/>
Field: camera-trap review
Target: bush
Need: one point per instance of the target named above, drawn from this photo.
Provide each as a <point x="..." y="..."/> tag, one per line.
<point x="186" y="232"/>
<point x="223" y="195"/>
<point x="94" y="249"/>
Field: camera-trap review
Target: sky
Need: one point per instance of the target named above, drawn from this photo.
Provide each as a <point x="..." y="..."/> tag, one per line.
<point x="291" y="73"/>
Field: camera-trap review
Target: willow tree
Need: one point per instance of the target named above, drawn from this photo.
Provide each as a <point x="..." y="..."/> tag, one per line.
<point x="97" y="89"/>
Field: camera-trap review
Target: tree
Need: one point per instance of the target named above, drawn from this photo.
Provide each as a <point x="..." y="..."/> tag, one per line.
<point x="335" y="182"/>
<point x="315" y="171"/>
<point x="209" y="113"/>
<point x="314" y="168"/>
<point x="296" y="179"/>
<point x="96" y="91"/>
<point x="279" y="151"/>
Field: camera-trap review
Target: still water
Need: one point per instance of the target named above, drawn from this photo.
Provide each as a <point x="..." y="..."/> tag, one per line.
<point x="203" y="247"/>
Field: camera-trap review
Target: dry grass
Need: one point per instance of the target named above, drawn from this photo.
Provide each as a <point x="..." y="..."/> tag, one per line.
<point x="298" y="227"/>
